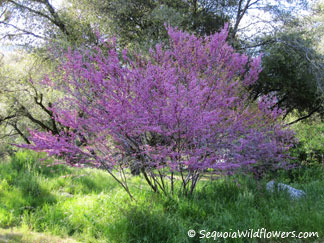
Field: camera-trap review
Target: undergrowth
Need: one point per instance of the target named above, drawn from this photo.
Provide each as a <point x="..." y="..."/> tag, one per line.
<point x="89" y="206"/>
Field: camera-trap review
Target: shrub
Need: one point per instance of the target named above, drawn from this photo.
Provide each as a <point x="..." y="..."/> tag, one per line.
<point x="172" y="115"/>
<point x="310" y="149"/>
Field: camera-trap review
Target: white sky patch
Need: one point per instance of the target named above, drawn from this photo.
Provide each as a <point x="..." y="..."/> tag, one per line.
<point x="257" y="22"/>
<point x="6" y="47"/>
<point x="57" y="3"/>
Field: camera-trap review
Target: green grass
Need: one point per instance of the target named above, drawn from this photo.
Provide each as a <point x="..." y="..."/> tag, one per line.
<point x="89" y="206"/>
<point x="23" y="235"/>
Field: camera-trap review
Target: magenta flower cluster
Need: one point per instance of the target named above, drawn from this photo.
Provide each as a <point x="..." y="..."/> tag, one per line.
<point x="181" y="110"/>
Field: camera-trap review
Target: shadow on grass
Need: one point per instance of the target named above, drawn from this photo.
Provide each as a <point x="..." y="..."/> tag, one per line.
<point x="27" y="186"/>
<point x="13" y="236"/>
<point x="10" y="237"/>
<point x="224" y="206"/>
<point x="143" y="225"/>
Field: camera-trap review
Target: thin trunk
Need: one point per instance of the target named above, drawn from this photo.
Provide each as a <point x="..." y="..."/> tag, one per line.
<point x="148" y="180"/>
<point x="172" y="186"/>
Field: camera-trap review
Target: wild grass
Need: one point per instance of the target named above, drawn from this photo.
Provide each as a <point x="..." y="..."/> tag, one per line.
<point x="23" y="235"/>
<point x="89" y="206"/>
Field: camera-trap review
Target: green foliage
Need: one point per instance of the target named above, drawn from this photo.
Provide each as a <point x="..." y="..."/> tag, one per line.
<point x="288" y="74"/>
<point x="89" y="206"/>
<point x="310" y="149"/>
<point x="301" y="174"/>
<point x="25" y="161"/>
<point x="315" y="23"/>
<point x="140" y="24"/>
<point x="24" y="103"/>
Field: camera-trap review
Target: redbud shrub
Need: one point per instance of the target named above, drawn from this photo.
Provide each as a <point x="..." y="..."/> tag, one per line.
<point x="170" y="115"/>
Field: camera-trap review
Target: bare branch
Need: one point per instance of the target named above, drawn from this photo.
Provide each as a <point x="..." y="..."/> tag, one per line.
<point x="57" y="21"/>
<point x="54" y="18"/>
<point x="304" y="117"/>
<point x="32" y="10"/>
<point x="22" y="30"/>
<point x="239" y="15"/>
<point x="15" y="126"/>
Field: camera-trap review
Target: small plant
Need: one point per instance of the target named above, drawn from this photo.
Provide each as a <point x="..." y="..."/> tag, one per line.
<point x="25" y="161"/>
<point x="170" y="116"/>
<point x="310" y="149"/>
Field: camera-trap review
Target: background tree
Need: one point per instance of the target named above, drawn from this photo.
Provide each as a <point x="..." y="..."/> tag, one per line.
<point x="142" y="22"/>
<point x="23" y="103"/>
<point x="293" y="67"/>
<point x="31" y="22"/>
<point x="288" y="73"/>
<point x="31" y="25"/>
<point x="139" y="21"/>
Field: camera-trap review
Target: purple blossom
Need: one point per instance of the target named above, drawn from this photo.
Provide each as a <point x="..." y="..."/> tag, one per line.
<point x="184" y="108"/>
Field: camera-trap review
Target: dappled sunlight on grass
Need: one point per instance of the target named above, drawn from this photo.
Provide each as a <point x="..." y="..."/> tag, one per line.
<point x="88" y="205"/>
<point x="15" y="235"/>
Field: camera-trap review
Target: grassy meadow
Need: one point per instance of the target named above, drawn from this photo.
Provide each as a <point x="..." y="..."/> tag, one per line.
<point x="39" y="203"/>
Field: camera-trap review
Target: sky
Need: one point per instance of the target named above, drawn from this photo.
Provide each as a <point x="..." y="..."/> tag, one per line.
<point x="57" y="3"/>
<point x="5" y="49"/>
<point x="257" y="15"/>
